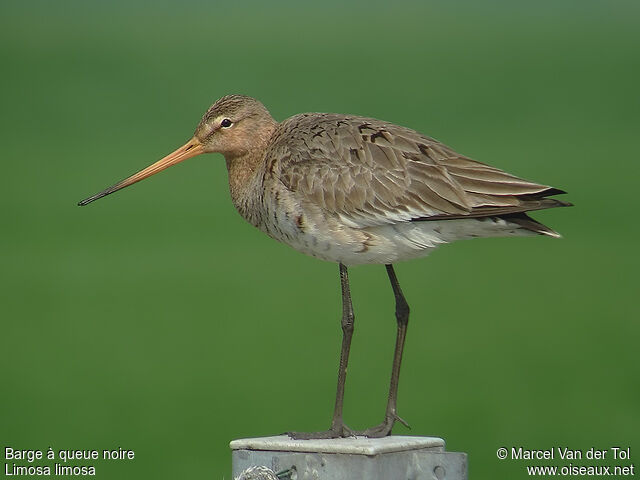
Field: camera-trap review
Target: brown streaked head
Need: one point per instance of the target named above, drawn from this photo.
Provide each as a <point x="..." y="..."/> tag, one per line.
<point x="234" y="126"/>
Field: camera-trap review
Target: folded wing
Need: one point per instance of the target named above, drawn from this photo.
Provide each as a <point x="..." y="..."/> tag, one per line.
<point x="369" y="173"/>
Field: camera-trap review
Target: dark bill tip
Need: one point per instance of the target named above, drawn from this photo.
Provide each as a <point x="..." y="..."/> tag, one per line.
<point x="101" y="194"/>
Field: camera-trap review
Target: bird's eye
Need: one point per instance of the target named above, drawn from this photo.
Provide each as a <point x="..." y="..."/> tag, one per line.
<point x="226" y="123"/>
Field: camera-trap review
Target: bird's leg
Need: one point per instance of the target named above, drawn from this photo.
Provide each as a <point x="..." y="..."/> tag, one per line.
<point x="402" y="318"/>
<point x="347" y="332"/>
<point x="338" y="428"/>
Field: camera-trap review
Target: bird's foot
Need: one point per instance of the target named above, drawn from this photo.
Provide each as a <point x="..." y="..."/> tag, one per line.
<point x="342" y="431"/>
<point x="339" y="431"/>
<point x="384" y="429"/>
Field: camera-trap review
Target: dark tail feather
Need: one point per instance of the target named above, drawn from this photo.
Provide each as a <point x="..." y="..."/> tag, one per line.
<point x="516" y="213"/>
<point x="528" y="223"/>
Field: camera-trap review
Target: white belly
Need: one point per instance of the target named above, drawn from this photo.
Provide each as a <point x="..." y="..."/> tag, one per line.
<point x="310" y="230"/>
<point x="331" y="240"/>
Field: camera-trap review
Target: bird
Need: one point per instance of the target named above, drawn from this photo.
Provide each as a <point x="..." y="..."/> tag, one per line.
<point x="354" y="190"/>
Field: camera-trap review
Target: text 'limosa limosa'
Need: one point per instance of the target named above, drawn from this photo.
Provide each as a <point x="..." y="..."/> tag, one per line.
<point x="355" y="190"/>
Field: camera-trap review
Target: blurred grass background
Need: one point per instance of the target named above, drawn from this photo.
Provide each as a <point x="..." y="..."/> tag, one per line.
<point x="158" y="320"/>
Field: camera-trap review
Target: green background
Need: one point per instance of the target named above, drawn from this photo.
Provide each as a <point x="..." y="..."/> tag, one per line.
<point x="158" y="320"/>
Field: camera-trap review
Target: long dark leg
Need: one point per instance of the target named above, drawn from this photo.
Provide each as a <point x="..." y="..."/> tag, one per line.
<point x="338" y="428"/>
<point x="347" y="332"/>
<point x="402" y="318"/>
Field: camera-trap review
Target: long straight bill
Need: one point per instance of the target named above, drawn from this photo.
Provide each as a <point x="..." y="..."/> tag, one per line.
<point x="190" y="149"/>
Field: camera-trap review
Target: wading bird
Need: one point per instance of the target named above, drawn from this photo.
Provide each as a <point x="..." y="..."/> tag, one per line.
<point x="355" y="190"/>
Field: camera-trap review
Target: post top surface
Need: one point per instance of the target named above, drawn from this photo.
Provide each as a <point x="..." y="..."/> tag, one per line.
<point x="350" y="445"/>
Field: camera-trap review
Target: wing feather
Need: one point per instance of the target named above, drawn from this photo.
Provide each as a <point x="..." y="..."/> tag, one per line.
<point x="369" y="172"/>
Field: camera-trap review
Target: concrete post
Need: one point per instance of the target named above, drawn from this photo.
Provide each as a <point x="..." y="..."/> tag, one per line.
<point x="356" y="458"/>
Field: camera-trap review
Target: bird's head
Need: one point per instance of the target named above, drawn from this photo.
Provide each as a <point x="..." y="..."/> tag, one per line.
<point x="234" y="126"/>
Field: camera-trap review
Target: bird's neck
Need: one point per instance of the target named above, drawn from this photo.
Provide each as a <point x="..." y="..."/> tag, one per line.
<point x="246" y="171"/>
<point x="242" y="171"/>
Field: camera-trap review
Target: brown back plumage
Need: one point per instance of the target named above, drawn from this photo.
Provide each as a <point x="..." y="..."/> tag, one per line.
<point x="370" y="172"/>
